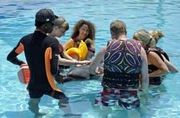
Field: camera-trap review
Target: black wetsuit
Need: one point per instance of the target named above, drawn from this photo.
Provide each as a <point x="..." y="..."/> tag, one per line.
<point x="41" y="54"/>
<point x="152" y="68"/>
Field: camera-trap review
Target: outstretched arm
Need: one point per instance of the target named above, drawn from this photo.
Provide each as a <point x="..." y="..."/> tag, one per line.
<point x="144" y="71"/>
<point x="170" y="66"/>
<point x="155" y="60"/>
<point x="67" y="62"/>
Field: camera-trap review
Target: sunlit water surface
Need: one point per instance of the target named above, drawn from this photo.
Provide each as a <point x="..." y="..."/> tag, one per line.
<point x="17" y="19"/>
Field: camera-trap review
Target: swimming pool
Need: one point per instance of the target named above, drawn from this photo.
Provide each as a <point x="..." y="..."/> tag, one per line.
<point x="17" y="19"/>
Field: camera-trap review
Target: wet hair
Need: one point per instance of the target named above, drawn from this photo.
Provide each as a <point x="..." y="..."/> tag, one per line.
<point x="117" y="28"/>
<point x="79" y="24"/>
<point x="144" y="36"/>
<point x="61" y="22"/>
<point x="156" y="34"/>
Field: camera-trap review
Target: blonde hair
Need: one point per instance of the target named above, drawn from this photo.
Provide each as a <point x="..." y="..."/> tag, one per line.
<point x="156" y="34"/>
<point x="145" y="37"/>
<point x="61" y="22"/>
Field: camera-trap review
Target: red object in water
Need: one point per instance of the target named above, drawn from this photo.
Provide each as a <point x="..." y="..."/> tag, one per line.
<point x="24" y="74"/>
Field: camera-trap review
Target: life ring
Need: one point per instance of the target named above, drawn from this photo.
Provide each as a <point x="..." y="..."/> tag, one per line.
<point x="24" y="74"/>
<point x="80" y="52"/>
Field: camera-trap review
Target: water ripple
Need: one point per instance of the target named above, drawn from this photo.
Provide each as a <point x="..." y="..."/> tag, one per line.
<point x="17" y="19"/>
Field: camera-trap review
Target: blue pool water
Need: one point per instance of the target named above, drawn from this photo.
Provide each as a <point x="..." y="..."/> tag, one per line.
<point x="17" y="19"/>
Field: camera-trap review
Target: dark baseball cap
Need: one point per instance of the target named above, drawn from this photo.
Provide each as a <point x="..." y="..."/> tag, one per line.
<point x="44" y="16"/>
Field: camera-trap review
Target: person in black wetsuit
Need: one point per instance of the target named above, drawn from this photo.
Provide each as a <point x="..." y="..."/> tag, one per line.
<point x="42" y="56"/>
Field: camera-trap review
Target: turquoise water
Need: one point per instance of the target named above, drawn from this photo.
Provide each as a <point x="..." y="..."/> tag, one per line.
<point x="17" y="19"/>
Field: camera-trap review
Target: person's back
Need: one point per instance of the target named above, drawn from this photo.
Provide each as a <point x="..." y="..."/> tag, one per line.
<point x="36" y="60"/>
<point x="122" y="60"/>
<point x="125" y="66"/>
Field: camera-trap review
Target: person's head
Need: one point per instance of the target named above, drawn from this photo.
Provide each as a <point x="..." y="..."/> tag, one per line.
<point x="156" y="34"/>
<point x="60" y="27"/>
<point x="117" y="28"/>
<point x="83" y="29"/>
<point x="44" y="20"/>
<point x="145" y="38"/>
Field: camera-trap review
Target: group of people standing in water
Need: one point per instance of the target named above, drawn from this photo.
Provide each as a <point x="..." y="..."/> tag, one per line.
<point x="125" y="66"/>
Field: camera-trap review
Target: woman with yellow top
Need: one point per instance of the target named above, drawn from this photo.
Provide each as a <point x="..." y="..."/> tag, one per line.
<point x="84" y="31"/>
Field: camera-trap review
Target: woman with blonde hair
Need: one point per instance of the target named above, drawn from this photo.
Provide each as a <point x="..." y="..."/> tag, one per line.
<point x="156" y="34"/>
<point x="158" y="65"/>
<point x="59" y="29"/>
